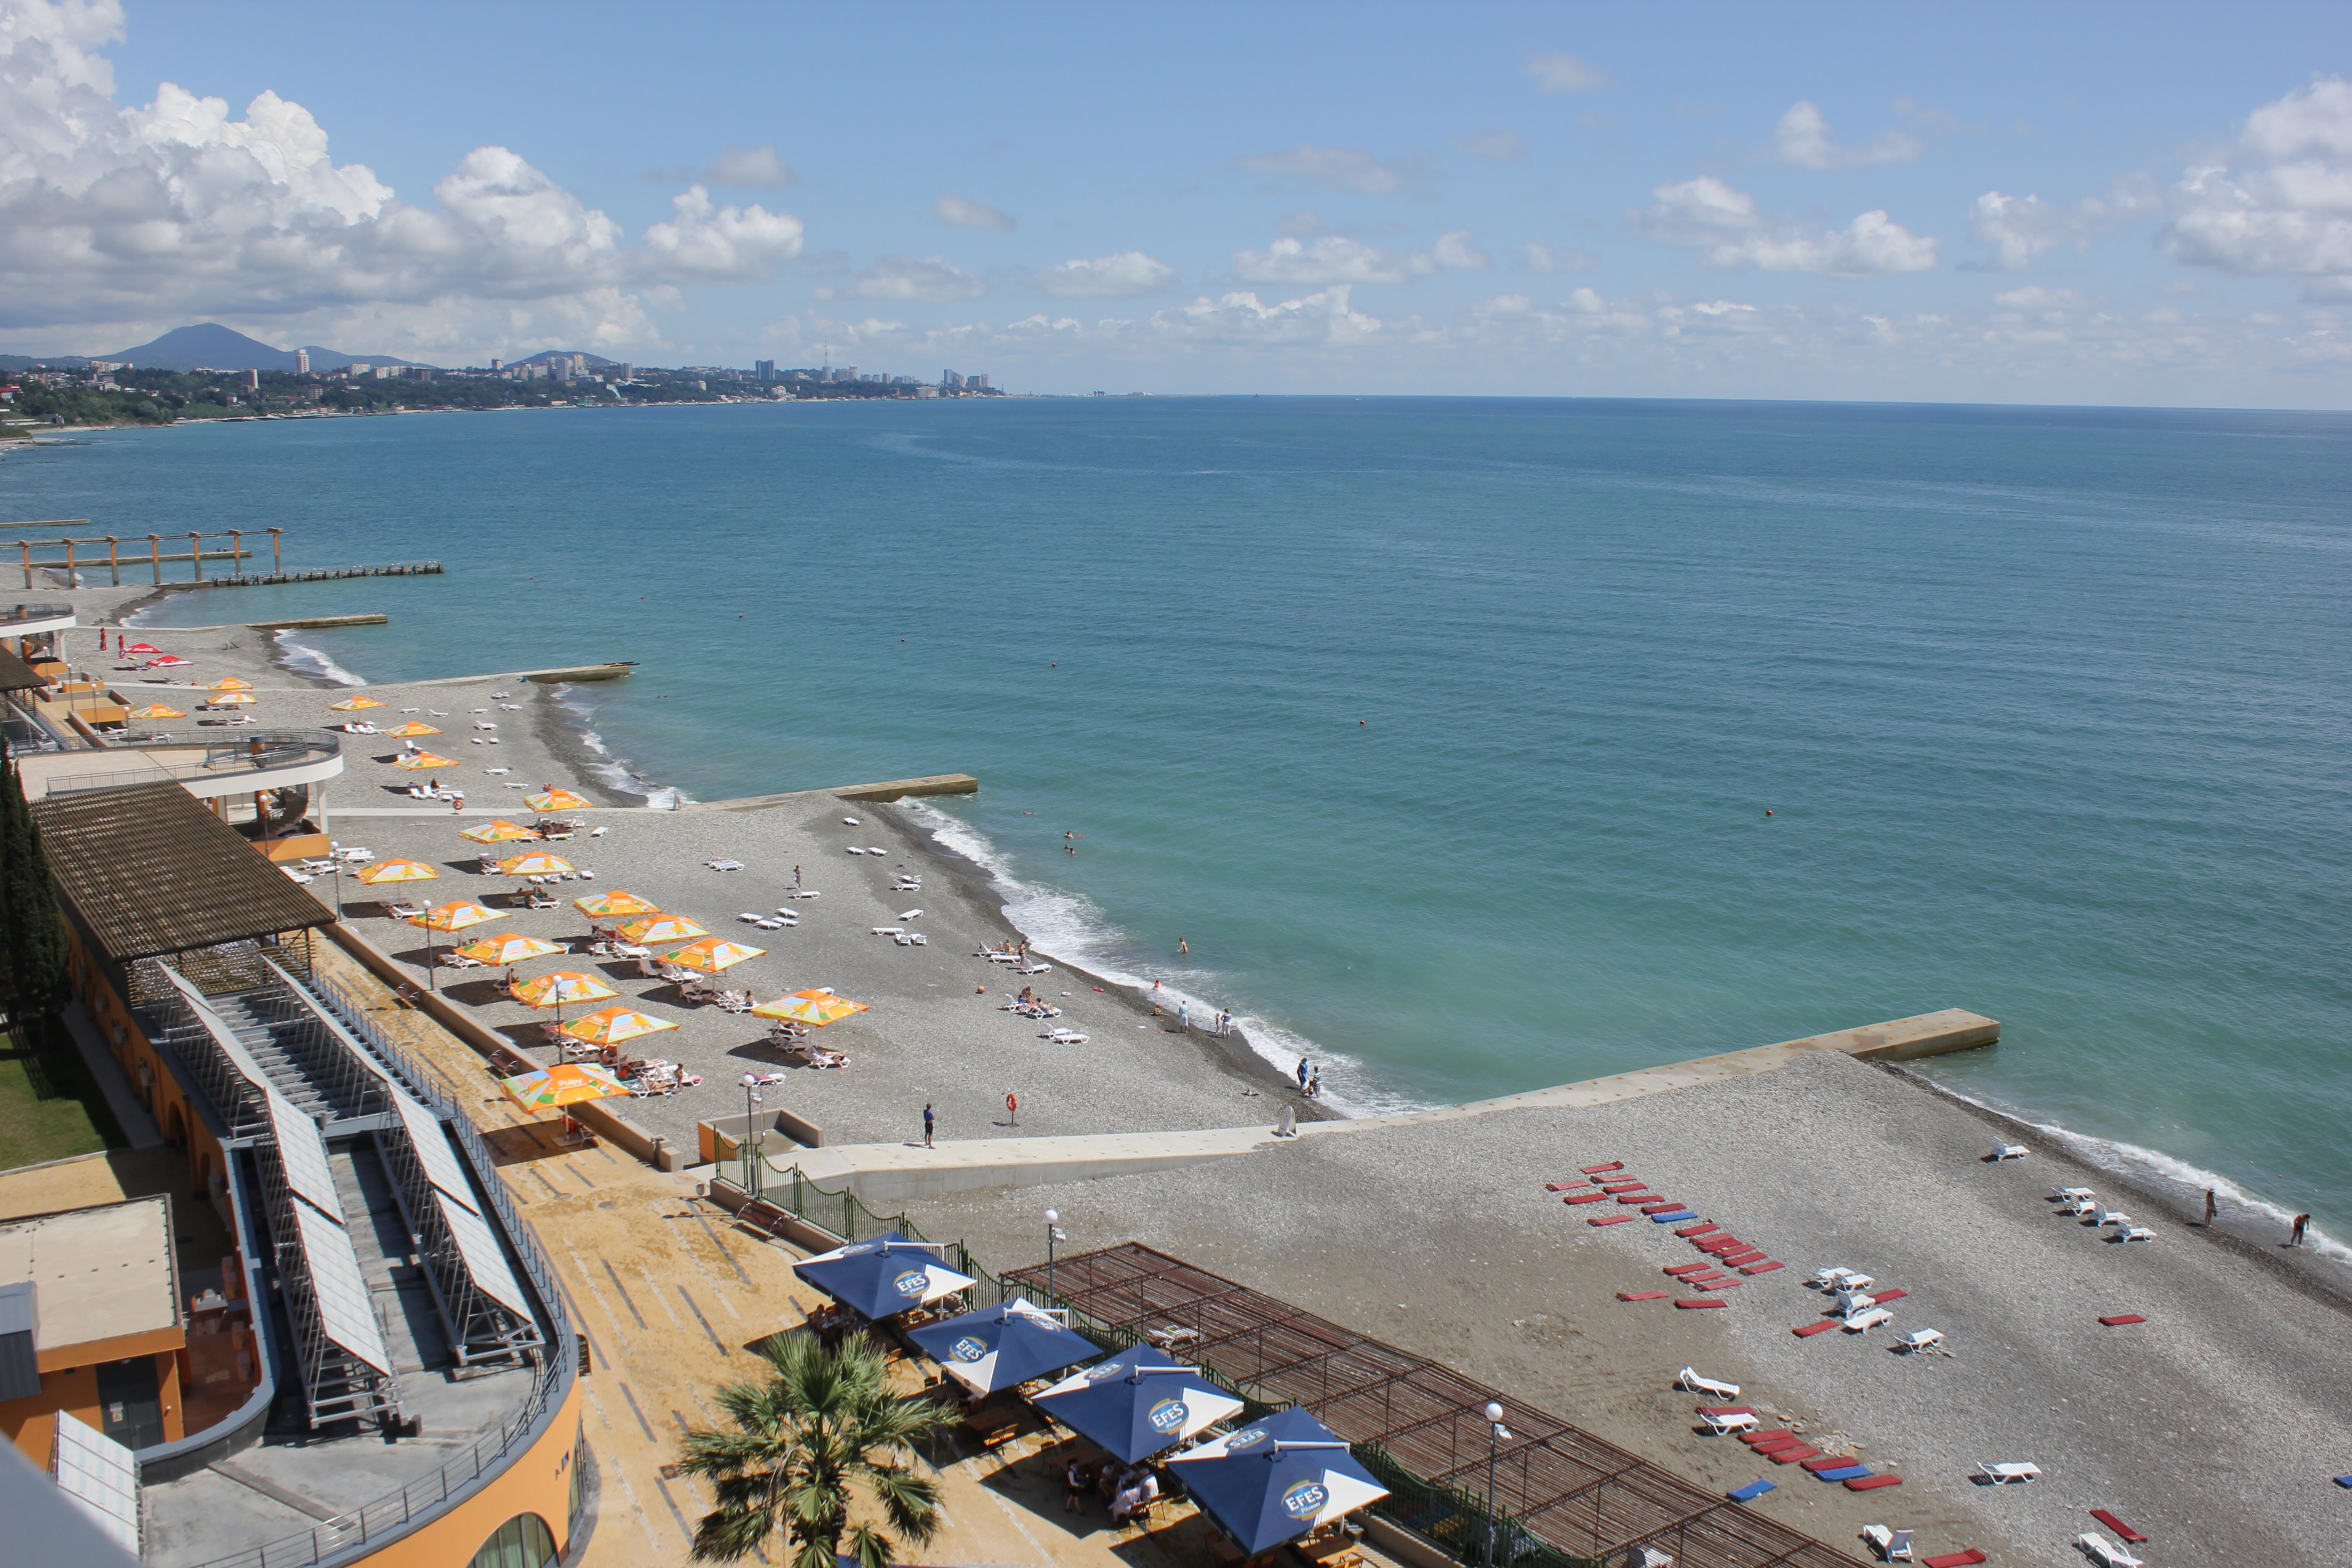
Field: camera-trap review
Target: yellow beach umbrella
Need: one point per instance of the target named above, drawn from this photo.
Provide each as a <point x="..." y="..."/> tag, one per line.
<point x="563" y="985"/>
<point x="537" y="863"/>
<point x="714" y="954"/>
<point x="156" y="710"/>
<point x="230" y="683"/>
<point x="818" y="1007"/>
<point x="412" y="728"/>
<point x="510" y="949"/>
<point x="234" y="699"/>
<point x="612" y="903"/>
<point x="459" y="914"/>
<point x="557" y="800"/>
<point x="399" y="871"/>
<point x="663" y="928"/>
<point x="354" y="704"/>
<point x="567" y="1083"/>
<point x="417" y="760"/>
<point x="498" y="831"/>
<point x="613" y="1025"/>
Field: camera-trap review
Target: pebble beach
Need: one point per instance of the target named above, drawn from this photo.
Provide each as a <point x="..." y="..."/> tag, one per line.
<point x="2214" y="1427"/>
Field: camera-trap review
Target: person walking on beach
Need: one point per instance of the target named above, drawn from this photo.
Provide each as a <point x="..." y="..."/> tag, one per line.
<point x="1302" y="1075"/>
<point x="928" y="1123"/>
<point x="1012" y="1108"/>
<point x="2212" y="1208"/>
<point x="2302" y="1221"/>
<point x="796" y="879"/>
<point x="1183" y="1016"/>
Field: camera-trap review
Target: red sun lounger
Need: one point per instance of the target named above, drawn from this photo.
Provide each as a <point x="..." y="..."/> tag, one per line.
<point x="1698" y="1230"/>
<point x="1561" y="1186"/>
<point x="1791" y="1456"/>
<point x="1746" y="1255"/>
<point x="1612" y="1188"/>
<point x="2117" y="1322"/>
<point x="1807" y="1331"/>
<point x="1638" y="1196"/>
<point x="1766" y="1268"/>
<point x="1719" y="1245"/>
<point x="1643" y="1295"/>
<point x="1596" y="1170"/>
<point x="1661" y="1207"/>
<point x="1586" y="1198"/>
<point x="1951" y="1560"/>
<point x="1720" y="1285"/>
<point x="1872" y="1483"/>
<point x="2131" y="1536"/>
<point x="1831" y="1462"/>
<point x="1772" y="1439"/>
<point x="1886" y="1296"/>
<point x="1688" y="1268"/>
<point x="1612" y="1219"/>
<point x="1702" y="1303"/>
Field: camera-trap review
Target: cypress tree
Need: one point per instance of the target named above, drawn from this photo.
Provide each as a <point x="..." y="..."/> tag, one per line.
<point x="33" y="941"/>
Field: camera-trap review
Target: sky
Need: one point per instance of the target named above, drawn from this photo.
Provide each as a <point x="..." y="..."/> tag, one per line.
<point x="2097" y="202"/>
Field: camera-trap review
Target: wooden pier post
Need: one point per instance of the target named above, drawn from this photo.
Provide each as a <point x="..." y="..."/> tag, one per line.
<point x="196" y="555"/>
<point x="236" y="552"/>
<point x="113" y="564"/>
<point x="155" y="556"/>
<point x="275" y="569"/>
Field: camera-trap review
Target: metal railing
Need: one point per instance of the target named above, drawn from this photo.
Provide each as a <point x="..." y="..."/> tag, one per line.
<point x="255" y="751"/>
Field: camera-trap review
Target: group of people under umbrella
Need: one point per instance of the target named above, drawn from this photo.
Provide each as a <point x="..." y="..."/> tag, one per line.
<point x="1264" y="1483"/>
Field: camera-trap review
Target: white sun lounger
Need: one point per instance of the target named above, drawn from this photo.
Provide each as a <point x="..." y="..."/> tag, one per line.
<point x="917" y="939"/>
<point x="1743" y="1421"/>
<point x="1894" y="1545"/>
<point x="1066" y="1037"/>
<point x="299" y="876"/>
<point x="2134" y="1233"/>
<point x="2069" y="1192"/>
<point x="908" y="914"/>
<point x="888" y="931"/>
<point x="1690" y="1379"/>
<point x="2009" y="1152"/>
<point x="1852" y="1302"/>
<point x="2105" y="1551"/>
<point x="750" y="917"/>
<point x="1920" y="1338"/>
<point x="2081" y="1206"/>
<point x="771" y="923"/>
<point x="725" y="865"/>
<point x="2002" y="1474"/>
<point x="1863" y="1322"/>
<point x="2103" y="1215"/>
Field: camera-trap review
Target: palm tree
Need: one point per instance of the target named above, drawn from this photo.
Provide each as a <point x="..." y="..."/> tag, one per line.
<point x="819" y="1424"/>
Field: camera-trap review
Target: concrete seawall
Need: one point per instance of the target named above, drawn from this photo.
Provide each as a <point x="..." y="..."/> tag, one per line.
<point x="877" y="793"/>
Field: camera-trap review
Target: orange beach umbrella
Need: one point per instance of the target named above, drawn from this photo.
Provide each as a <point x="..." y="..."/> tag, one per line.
<point x="663" y="928"/>
<point x="412" y="728"/>
<point x="399" y="871"/>
<point x="612" y="903"/>
<point x="613" y="1025"/>
<point x="156" y="710"/>
<point x="230" y="683"/>
<point x="818" y="1007"/>
<point x="510" y="949"/>
<point x="459" y="914"/>
<point x="354" y="704"/>
<point x="567" y="1083"/>
<point x="713" y="953"/>
<point x="557" y="800"/>
<point x="417" y="760"/>
<point x="563" y="985"/>
<point x="233" y="699"/>
<point x="497" y="831"/>
<point x="536" y="863"/>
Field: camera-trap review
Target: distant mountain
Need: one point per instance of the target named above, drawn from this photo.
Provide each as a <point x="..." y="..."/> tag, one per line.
<point x="26" y="362"/>
<point x="549" y="357"/>
<point x="215" y="347"/>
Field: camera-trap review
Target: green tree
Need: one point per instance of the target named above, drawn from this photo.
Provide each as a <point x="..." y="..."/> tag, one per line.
<point x="32" y="928"/>
<point x="817" y="1429"/>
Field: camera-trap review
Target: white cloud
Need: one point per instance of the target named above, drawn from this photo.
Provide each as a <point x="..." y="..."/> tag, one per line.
<point x="1334" y="259"/>
<point x="2017" y="229"/>
<point x="2034" y="297"/>
<point x="1729" y="230"/>
<point x="2278" y="200"/>
<point x="1129" y="272"/>
<point x="1558" y="72"/>
<point x="909" y="278"/>
<point x="1345" y="169"/>
<point x="751" y="168"/>
<point x="1487" y="143"/>
<point x="133" y="219"/>
<point x="1454" y="251"/>
<point x="1305" y="225"/>
<point x="1802" y="138"/>
<point x="971" y="213"/>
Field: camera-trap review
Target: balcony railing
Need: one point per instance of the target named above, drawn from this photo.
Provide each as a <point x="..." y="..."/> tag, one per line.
<point x="253" y="751"/>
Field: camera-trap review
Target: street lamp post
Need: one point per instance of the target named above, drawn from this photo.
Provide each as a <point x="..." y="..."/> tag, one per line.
<point x="1054" y="1233"/>
<point x="750" y="1099"/>
<point x="1496" y="1435"/>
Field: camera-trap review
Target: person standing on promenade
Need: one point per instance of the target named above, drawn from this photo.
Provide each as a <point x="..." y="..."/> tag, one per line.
<point x="928" y="1122"/>
<point x="2301" y="1222"/>
<point x="2212" y="1208"/>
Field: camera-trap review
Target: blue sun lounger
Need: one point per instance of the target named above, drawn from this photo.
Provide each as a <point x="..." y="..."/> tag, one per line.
<point x="1850" y="1473"/>
<point x="1751" y="1491"/>
<point x="1672" y="1219"/>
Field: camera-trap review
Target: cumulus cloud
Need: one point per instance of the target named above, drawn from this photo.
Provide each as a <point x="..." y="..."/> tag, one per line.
<point x="2016" y="230"/>
<point x="908" y="277"/>
<point x="1560" y="72"/>
<point x="970" y="214"/>
<point x="152" y="216"/>
<point x="1334" y="259"/>
<point x="1487" y="143"/>
<point x="1454" y="251"/>
<point x="1345" y="169"/>
<point x="2278" y="199"/>
<point x="751" y="168"/>
<point x="2034" y="297"/>
<point x="1803" y="138"/>
<point x="1129" y="272"/>
<point x="1725" y="223"/>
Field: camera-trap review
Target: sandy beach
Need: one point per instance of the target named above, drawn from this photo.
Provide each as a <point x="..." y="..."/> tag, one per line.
<point x="2214" y="1427"/>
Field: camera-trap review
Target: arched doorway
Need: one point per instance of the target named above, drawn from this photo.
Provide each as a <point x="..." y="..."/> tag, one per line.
<point x="175" y="1130"/>
<point x="522" y="1541"/>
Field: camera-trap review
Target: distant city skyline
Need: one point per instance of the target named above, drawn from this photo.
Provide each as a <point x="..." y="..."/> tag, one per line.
<point x="2098" y="204"/>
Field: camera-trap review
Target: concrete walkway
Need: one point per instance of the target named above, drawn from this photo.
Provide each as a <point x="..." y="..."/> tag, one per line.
<point x="137" y="1126"/>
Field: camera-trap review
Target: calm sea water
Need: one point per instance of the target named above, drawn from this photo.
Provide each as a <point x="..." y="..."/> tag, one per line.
<point x="1444" y="732"/>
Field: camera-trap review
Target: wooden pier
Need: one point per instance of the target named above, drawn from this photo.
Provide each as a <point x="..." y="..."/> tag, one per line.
<point x="107" y="550"/>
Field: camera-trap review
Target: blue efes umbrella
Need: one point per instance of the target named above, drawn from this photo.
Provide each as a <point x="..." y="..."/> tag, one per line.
<point x="997" y="1347"/>
<point x="879" y="1277"/>
<point x="1276" y="1478"/>
<point x="1136" y="1405"/>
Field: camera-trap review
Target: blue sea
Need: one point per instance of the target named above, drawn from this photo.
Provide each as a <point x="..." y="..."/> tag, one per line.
<point x="1470" y="746"/>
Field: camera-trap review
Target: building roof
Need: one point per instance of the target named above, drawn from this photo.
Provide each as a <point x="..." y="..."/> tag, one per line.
<point x="97" y="1273"/>
<point x="16" y="675"/>
<point x="149" y="870"/>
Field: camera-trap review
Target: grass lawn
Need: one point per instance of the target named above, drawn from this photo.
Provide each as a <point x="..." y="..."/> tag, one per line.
<point x="49" y="1107"/>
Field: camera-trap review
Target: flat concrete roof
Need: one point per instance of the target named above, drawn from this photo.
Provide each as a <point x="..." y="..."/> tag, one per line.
<point x="99" y="1273"/>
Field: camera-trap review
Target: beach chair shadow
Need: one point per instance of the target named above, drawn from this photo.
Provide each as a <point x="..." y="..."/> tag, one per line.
<point x="520" y="1146"/>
